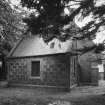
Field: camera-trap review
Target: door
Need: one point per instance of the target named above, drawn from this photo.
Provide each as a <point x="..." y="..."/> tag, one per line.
<point x="73" y="71"/>
<point x="3" y="72"/>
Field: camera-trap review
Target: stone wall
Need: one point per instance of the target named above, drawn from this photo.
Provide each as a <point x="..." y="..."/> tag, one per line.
<point x="54" y="70"/>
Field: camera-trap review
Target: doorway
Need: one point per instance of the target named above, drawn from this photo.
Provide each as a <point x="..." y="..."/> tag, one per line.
<point x="3" y="73"/>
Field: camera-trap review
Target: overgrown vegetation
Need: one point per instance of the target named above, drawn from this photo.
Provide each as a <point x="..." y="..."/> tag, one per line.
<point x="50" y="17"/>
<point x="11" y="27"/>
<point x="50" y="20"/>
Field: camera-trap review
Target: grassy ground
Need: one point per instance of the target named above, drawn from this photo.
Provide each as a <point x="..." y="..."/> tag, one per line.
<point x="95" y="100"/>
<point x="78" y="96"/>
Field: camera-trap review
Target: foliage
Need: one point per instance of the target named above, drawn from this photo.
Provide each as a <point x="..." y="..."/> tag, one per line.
<point x="99" y="48"/>
<point x="10" y="26"/>
<point x="51" y="19"/>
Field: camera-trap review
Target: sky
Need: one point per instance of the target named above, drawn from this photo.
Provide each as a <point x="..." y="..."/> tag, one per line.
<point x="100" y="35"/>
<point x="15" y="2"/>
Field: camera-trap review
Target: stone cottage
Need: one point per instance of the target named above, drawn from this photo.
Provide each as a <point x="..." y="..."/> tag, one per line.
<point x="33" y="62"/>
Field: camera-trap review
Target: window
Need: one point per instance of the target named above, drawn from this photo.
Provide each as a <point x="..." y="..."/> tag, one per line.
<point x="35" y="70"/>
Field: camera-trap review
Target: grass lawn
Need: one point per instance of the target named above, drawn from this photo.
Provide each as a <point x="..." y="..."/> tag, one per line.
<point x="17" y="96"/>
<point x="96" y="100"/>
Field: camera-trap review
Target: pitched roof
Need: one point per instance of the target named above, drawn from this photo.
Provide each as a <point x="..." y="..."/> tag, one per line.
<point x="34" y="46"/>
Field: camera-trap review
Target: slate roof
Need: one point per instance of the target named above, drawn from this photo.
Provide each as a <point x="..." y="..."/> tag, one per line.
<point x="34" y="46"/>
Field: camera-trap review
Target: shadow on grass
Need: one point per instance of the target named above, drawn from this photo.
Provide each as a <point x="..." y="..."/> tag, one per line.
<point x="18" y="101"/>
<point x="15" y="101"/>
<point x="92" y="100"/>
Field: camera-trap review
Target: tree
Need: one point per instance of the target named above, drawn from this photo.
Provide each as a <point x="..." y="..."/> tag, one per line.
<point x="10" y="26"/>
<point x="51" y="18"/>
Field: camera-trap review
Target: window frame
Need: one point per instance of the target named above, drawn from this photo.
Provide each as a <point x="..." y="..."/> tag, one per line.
<point x="35" y="77"/>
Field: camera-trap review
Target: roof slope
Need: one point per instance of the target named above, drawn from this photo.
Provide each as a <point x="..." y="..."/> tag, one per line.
<point x="34" y="46"/>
